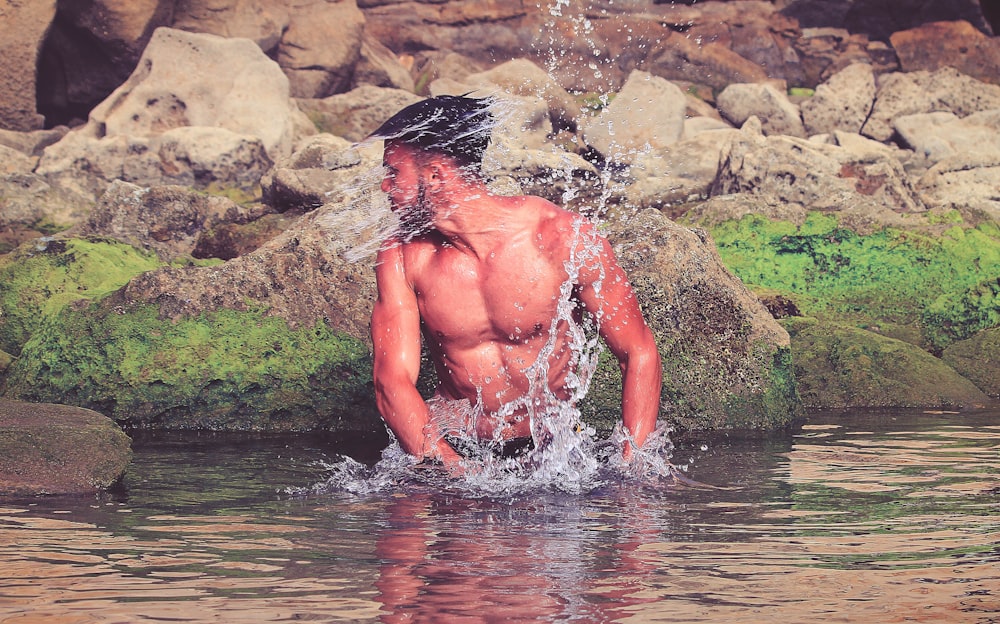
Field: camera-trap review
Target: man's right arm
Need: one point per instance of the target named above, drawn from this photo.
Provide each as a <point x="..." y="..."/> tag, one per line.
<point x="395" y="330"/>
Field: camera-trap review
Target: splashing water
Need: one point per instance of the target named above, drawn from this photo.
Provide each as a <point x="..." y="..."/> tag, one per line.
<point x="566" y="453"/>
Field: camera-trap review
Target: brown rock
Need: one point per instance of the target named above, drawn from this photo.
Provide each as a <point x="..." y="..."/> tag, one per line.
<point x="949" y="44"/>
<point x="58" y="449"/>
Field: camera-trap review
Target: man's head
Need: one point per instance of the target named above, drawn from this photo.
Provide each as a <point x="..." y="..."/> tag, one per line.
<point x="452" y="125"/>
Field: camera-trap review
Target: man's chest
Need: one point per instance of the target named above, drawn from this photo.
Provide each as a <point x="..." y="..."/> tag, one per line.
<point x="507" y="298"/>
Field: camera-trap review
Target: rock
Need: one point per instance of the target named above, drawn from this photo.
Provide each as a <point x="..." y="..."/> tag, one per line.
<point x="24" y="25"/>
<point x="275" y="339"/>
<point x="726" y="363"/>
<point x="648" y="113"/>
<point x="378" y="66"/>
<point x="31" y="207"/>
<point x="863" y="187"/>
<point x="911" y="93"/>
<point x="679" y="58"/>
<point x="679" y="173"/>
<point x="959" y="45"/>
<point x="33" y="142"/>
<point x="966" y="182"/>
<point x="739" y="102"/>
<point x="978" y="359"/>
<point x="199" y="110"/>
<point x="57" y="449"/>
<point x="842" y="102"/>
<point x="879" y="19"/>
<point x="306" y="180"/>
<point x="167" y="220"/>
<point x="824" y="51"/>
<point x="261" y="22"/>
<point x="321" y="46"/>
<point x="359" y="112"/>
<point x="564" y="178"/>
<point x="41" y="277"/>
<point x="91" y="49"/>
<point x="431" y="65"/>
<point x="837" y="366"/>
<point x="521" y="77"/>
<point x="936" y="136"/>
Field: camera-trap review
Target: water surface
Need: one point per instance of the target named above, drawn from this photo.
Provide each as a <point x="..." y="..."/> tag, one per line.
<point x="889" y="517"/>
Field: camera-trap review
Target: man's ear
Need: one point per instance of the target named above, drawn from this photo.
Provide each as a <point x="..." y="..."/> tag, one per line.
<point x="438" y="174"/>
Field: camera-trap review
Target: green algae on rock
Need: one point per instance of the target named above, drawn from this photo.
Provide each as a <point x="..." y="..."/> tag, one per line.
<point x="41" y="277"/>
<point x="838" y="366"/>
<point x="221" y="370"/>
<point x="927" y="289"/>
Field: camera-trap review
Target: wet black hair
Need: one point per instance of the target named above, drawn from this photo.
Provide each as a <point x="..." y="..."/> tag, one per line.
<point x="455" y="125"/>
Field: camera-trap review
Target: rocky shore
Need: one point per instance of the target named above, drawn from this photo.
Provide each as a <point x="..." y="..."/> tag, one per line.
<point x="806" y="199"/>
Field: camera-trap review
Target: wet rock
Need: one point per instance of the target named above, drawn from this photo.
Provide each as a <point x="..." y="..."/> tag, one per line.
<point x="306" y="180"/>
<point x="911" y="93"/>
<point x="521" y="77"/>
<point x="930" y="47"/>
<point x="725" y="358"/>
<point x="24" y="25"/>
<point x="842" y="102"/>
<point x="58" y="449"/>
<point x="679" y="173"/>
<point x="777" y="115"/>
<point x="648" y="113"/>
<point x="359" y="112"/>
<point x="320" y="47"/>
<point x="838" y="366"/>
<point x="40" y="277"/>
<point x="978" y="359"/>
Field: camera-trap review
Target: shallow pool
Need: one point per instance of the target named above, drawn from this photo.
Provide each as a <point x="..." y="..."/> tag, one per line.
<point x="874" y="517"/>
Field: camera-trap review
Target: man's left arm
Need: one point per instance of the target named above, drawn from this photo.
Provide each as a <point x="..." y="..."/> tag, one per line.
<point x="605" y="292"/>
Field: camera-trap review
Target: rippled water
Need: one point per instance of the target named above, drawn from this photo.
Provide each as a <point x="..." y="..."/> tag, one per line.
<point x="850" y="517"/>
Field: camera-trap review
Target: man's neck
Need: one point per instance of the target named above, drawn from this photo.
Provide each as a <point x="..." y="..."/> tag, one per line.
<point x="475" y="220"/>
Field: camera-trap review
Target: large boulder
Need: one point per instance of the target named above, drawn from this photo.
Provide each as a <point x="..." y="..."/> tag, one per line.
<point x="199" y="109"/>
<point x="978" y="359"/>
<point x="58" y="449"/>
<point x="726" y="360"/>
<point x="320" y="47"/>
<point x="838" y="366"/>
<point x="24" y="24"/>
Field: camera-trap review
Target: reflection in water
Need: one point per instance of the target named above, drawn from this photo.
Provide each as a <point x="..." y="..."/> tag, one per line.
<point x="885" y="518"/>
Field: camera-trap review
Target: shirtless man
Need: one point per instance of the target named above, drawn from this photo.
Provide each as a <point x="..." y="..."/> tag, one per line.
<point x="480" y="275"/>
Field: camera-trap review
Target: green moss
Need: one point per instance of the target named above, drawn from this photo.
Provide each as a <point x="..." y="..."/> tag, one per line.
<point x="801" y="92"/>
<point x="941" y="287"/>
<point x="42" y="277"/>
<point x="225" y="370"/>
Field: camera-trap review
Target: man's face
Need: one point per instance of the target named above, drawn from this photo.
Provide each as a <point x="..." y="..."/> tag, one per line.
<point x="405" y="185"/>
